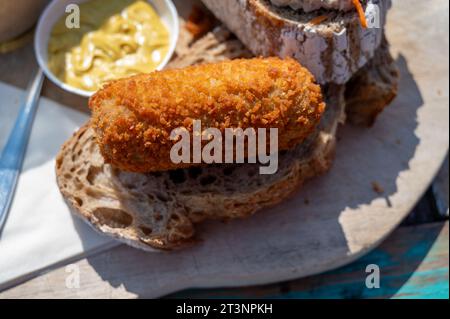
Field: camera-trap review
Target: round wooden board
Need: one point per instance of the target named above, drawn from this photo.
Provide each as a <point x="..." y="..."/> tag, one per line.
<point x="338" y="217"/>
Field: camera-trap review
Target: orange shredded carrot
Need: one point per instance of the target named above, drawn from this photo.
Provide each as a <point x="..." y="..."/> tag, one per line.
<point x="318" y="20"/>
<point x="199" y="22"/>
<point x="362" y="15"/>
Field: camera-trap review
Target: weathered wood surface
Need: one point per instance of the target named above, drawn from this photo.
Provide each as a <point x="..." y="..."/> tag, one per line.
<point x="413" y="263"/>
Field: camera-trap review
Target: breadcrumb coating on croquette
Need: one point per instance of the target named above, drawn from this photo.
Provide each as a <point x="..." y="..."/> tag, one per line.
<point x="133" y="117"/>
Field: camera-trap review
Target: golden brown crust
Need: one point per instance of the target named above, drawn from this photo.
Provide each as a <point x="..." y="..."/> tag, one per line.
<point x="134" y="117"/>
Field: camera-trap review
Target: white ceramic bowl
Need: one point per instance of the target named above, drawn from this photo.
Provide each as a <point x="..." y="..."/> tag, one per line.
<point x="56" y="9"/>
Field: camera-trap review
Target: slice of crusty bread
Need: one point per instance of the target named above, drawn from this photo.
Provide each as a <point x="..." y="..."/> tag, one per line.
<point x="333" y="50"/>
<point x="372" y="88"/>
<point x="159" y="210"/>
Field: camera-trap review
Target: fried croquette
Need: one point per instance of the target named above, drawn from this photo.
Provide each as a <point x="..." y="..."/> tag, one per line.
<point x="133" y="117"/>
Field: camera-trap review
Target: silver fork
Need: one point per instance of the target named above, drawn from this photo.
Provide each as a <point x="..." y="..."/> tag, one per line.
<point x="11" y="158"/>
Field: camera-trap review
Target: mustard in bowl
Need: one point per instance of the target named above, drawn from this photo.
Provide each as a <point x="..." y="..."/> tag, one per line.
<point x="113" y="39"/>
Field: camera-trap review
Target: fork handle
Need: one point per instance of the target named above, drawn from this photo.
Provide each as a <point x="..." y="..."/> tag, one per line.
<point x="12" y="156"/>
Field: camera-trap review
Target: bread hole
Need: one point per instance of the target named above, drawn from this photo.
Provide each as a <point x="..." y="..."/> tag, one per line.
<point x="93" y="193"/>
<point x="116" y="172"/>
<point x="79" y="201"/>
<point x="177" y="176"/>
<point x="78" y="185"/>
<point x="156" y="174"/>
<point x="146" y="230"/>
<point x="59" y="162"/>
<point x="81" y="134"/>
<point x="197" y="216"/>
<point x="92" y="148"/>
<point x="194" y="172"/>
<point x="93" y="172"/>
<point x="81" y="171"/>
<point x="67" y="176"/>
<point x="72" y="170"/>
<point x="162" y="197"/>
<point x="114" y="218"/>
<point x="207" y="180"/>
<point x="130" y="186"/>
<point x="158" y="217"/>
<point x="227" y="171"/>
<point x="175" y="237"/>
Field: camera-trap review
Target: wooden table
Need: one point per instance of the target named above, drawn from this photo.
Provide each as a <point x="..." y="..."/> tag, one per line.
<point x="414" y="260"/>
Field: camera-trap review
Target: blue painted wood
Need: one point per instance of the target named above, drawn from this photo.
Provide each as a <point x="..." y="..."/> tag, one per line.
<point x="413" y="264"/>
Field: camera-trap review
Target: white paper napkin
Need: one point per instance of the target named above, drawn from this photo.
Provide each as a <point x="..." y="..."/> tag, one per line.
<point x="40" y="231"/>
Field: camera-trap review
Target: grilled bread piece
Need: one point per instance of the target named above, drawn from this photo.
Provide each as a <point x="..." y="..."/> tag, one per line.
<point x="332" y="49"/>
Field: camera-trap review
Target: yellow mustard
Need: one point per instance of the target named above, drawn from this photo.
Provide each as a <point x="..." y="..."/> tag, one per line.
<point x="116" y="38"/>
